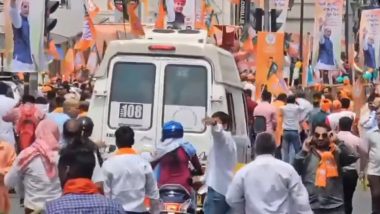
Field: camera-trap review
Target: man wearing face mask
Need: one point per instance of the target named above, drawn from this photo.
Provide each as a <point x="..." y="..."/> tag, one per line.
<point x="320" y="165"/>
<point x="22" y="57"/>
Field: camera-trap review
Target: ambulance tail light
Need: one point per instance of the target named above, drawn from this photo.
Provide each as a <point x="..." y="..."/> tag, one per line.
<point x="162" y="48"/>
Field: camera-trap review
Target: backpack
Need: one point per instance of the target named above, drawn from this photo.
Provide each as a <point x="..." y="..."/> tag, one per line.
<point x="259" y="124"/>
<point x="26" y="126"/>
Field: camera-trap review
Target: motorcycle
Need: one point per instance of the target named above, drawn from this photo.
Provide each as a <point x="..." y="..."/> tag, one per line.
<point x="175" y="199"/>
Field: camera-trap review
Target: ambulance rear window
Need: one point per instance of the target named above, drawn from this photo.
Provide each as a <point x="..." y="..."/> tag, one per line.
<point x="185" y="95"/>
<point x="132" y="95"/>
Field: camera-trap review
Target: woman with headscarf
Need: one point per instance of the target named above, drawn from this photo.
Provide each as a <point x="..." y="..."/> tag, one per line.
<point x="35" y="169"/>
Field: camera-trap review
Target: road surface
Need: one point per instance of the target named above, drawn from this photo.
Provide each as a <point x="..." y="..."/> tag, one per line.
<point x="361" y="204"/>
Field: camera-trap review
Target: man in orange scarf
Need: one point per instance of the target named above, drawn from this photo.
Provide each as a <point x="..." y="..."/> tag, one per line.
<point x="80" y="195"/>
<point x="320" y="165"/>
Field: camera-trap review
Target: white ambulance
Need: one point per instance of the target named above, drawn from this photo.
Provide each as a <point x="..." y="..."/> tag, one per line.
<point x="169" y="75"/>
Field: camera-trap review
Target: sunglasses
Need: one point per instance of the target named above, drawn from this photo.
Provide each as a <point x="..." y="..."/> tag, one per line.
<point x="324" y="135"/>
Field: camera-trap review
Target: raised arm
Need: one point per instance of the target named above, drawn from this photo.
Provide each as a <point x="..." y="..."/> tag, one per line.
<point x="15" y="15"/>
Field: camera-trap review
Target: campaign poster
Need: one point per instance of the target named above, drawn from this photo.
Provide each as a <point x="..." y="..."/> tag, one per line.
<point x="369" y="39"/>
<point x="181" y="14"/>
<point x="270" y="62"/>
<point x="327" y="34"/>
<point x="281" y="5"/>
<point x="22" y="57"/>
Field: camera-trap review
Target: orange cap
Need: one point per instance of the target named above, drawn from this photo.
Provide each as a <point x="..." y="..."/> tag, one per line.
<point x="326" y="105"/>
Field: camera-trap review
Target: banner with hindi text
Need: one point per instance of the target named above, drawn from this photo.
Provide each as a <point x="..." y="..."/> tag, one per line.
<point x="327" y="34"/>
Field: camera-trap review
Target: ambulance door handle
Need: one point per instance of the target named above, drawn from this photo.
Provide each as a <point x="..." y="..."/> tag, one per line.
<point x="146" y="138"/>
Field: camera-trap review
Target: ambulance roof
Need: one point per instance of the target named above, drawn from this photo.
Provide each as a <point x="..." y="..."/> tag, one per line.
<point x="171" y="43"/>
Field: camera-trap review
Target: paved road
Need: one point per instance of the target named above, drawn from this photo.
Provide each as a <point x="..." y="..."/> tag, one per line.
<point x="362" y="203"/>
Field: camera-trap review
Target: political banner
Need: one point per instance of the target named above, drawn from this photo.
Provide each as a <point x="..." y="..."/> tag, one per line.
<point x="181" y="14"/>
<point x="22" y="56"/>
<point x="270" y="62"/>
<point x="281" y="5"/>
<point x="327" y="34"/>
<point x="369" y="39"/>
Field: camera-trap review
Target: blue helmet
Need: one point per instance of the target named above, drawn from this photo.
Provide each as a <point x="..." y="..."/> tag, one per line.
<point x="172" y="129"/>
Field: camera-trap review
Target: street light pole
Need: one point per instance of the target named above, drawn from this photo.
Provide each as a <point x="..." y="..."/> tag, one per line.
<point x="347" y="30"/>
<point x="266" y="16"/>
<point x="301" y="28"/>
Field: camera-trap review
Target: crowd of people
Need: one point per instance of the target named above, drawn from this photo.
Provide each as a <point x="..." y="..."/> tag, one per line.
<point x="308" y="157"/>
<point x="328" y="144"/>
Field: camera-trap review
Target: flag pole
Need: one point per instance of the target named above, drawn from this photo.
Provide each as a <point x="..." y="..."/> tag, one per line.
<point x="94" y="46"/>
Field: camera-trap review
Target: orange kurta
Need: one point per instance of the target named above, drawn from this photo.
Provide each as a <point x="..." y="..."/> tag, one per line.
<point x="7" y="157"/>
<point x="279" y="130"/>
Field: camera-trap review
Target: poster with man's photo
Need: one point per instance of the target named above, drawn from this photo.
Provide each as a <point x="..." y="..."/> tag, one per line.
<point x="327" y="34"/>
<point x="369" y="39"/>
<point x="26" y="28"/>
<point x="181" y="14"/>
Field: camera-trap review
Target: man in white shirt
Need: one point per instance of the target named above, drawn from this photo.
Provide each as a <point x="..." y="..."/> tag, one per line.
<point x="292" y="116"/>
<point x="6" y="105"/>
<point x="350" y="174"/>
<point x="128" y="178"/>
<point x="221" y="163"/>
<point x="370" y="124"/>
<point x="267" y="185"/>
<point x="333" y="119"/>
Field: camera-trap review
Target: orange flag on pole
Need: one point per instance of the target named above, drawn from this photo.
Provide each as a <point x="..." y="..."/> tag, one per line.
<point x="88" y="35"/>
<point x="200" y="22"/>
<point x="53" y="50"/>
<point x="134" y="20"/>
<point x="79" y="61"/>
<point x="93" y="9"/>
<point x="160" y="21"/>
<point x="68" y="64"/>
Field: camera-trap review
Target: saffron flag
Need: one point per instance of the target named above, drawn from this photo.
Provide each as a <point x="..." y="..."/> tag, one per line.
<point x="68" y="64"/>
<point x="93" y="9"/>
<point x="160" y="21"/>
<point x="327" y="34"/>
<point x="92" y="62"/>
<point x="200" y="22"/>
<point x="79" y="61"/>
<point x="52" y="50"/>
<point x="88" y="35"/>
<point x="134" y="20"/>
